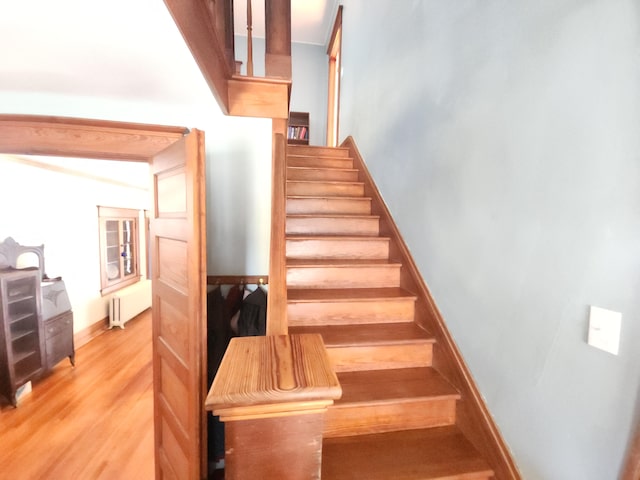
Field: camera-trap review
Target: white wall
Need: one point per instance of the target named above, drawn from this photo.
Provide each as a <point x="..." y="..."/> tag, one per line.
<point x="504" y="138"/>
<point x="129" y="62"/>
<point x="238" y="203"/>
<point x="58" y="210"/>
<point x="239" y="197"/>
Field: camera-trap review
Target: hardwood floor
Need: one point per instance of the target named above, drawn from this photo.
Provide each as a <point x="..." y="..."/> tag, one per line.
<point x="94" y="421"/>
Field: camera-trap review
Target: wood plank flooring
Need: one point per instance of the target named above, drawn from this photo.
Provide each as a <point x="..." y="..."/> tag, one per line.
<point x="94" y="421"/>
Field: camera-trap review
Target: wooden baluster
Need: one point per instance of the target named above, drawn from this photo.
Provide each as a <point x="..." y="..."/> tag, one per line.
<point x="229" y="42"/>
<point x="278" y="38"/>
<point x="249" y="41"/>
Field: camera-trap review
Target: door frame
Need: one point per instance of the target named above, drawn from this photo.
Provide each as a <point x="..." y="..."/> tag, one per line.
<point x="334" y="51"/>
<point x="84" y="138"/>
<point x="91" y="139"/>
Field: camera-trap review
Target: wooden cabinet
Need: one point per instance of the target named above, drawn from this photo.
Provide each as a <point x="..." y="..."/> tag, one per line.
<point x="58" y="336"/>
<point x="21" y="336"/>
<point x="298" y="131"/>
<point x="36" y="322"/>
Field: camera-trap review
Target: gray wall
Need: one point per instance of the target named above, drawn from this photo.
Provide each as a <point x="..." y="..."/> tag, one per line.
<point x="309" y="88"/>
<point x="504" y="137"/>
<point x="309" y="81"/>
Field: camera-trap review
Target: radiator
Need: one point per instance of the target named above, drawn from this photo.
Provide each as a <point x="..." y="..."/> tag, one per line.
<point x="128" y="303"/>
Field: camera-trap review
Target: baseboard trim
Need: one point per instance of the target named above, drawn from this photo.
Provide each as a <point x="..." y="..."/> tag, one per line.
<point x="87" y="334"/>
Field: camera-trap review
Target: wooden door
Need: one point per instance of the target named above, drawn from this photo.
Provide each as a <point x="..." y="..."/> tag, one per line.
<point x="178" y="275"/>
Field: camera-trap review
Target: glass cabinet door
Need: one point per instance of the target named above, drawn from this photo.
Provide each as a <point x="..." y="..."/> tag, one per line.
<point x="112" y="228"/>
<point x="127" y="254"/>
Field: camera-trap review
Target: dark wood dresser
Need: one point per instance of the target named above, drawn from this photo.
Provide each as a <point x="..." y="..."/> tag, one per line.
<point x="36" y="321"/>
<point x="57" y="320"/>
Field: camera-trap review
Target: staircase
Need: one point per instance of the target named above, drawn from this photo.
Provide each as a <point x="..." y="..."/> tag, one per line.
<point x="397" y="418"/>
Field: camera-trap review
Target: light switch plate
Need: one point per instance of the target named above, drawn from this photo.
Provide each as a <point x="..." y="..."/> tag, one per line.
<point x="604" y="329"/>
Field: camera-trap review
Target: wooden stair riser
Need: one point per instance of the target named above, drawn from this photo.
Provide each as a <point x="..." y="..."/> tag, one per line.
<point x="350" y="312"/>
<point x="358" y="419"/>
<point x="315" y="151"/>
<point x="325" y="189"/>
<point x="441" y="453"/>
<point x="380" y="357"/>
<point x="377" y="276"/>
<point x="320" y="174"/>
<point x="375" y="248"/>
<point x="319" y="162"/>
<point x="329" y="205"/>
<point x="338" y="225"/>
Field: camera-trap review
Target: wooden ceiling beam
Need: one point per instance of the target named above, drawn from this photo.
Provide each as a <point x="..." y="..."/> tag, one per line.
<point x="84" y="138"/>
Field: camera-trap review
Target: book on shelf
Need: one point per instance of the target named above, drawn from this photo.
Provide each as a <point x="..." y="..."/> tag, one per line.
<point x="298" y="133"/>
<point x="298" y="128"/>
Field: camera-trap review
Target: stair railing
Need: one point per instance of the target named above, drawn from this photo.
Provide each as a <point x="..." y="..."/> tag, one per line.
<point x="277" y="30"/>
<point x="208" y="29"/>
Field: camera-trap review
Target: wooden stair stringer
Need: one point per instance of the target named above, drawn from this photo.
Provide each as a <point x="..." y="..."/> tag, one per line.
<point x="473" y="417"/>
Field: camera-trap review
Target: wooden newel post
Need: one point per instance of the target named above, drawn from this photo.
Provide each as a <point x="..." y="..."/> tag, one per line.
<point x="272" y="393"/>
<point x="277" y="60"/>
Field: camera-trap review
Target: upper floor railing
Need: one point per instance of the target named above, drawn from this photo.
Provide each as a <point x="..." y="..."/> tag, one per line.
<point x="208" y="29"/>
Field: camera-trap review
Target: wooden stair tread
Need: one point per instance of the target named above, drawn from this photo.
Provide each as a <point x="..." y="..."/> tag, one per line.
<point x="306" y="155"/>
<point x="329" y="188"/>
<point x="339" y="169"/>
<point x="332" y="215"/>
<point x="316" y="147"/>
<point x="370" y="334"/>
<point x="403" y="384"/>
<point x="299" y="295"/>
<point x="354" y="205"/>
<point x="296" y="236"/>
<point x="324" y="197"/>
<point x="324" y="262"/>
<point x="336" y="182"/>
<point x="316" y="151"/>
<point x="322" y="162"/>
<point x="424" y="454"/>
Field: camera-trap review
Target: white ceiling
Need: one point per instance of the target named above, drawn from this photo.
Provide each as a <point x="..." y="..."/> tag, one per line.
<point x="118" y="48"/>
<point x="131" y="174"/>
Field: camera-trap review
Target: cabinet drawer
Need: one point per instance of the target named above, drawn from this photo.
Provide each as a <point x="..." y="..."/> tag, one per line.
<point x="56" y="325"/>
<point x="58" y="347"/>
